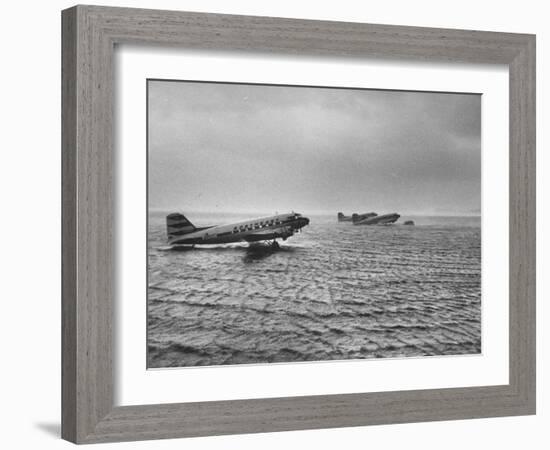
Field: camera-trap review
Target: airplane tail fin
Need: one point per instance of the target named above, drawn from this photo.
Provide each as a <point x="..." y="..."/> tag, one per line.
<point x="178" y="225"/>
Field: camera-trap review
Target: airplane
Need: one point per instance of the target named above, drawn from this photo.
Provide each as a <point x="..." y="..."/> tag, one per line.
<point x="355" y="218"/>
<point x="343" y="218"/>
<point x="384" y="219"/>
<point x="181" y="232"/>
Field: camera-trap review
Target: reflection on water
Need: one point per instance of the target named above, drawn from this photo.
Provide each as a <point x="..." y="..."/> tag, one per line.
<point x="335" y="291"/>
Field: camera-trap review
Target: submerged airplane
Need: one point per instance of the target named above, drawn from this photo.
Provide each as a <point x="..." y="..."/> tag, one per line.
<point x="182" y="232"/>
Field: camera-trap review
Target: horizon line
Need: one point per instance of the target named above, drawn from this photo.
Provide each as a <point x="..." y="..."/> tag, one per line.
<point x="310" y="212"/>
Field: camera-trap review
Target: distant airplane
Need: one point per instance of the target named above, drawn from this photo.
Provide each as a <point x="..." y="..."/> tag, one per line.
<point x="182" y="232"/>
<point x="356" y="218"/>
<point x="343" y="218"/>
<point x="384" y="219"/>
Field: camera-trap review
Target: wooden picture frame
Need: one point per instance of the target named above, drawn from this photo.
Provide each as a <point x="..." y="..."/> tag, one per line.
<point x="89" y="36"/>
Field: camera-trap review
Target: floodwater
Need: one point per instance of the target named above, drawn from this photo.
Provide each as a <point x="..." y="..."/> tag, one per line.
<point x="333" y="292"/>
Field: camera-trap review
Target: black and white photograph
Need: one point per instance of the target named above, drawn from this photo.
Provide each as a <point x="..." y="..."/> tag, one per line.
<point x="294" y="223"/>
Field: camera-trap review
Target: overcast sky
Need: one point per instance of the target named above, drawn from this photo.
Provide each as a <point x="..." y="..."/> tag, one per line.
<point x="257" y="148"/>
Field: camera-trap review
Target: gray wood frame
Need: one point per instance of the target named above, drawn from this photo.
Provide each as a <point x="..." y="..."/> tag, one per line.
<point x="89" y="35"/>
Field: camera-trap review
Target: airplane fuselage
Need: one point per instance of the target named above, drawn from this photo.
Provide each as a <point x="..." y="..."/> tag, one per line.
<point x="355" y="218"/>
<point x="384" y="219"/>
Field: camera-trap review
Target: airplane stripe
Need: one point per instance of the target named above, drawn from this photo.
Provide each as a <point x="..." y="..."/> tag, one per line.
<point x="180" y="232"/>
<point x="178" y="224"/>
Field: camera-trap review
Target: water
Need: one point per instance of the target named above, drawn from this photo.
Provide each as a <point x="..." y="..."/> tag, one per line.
<point x="336" y="291"/>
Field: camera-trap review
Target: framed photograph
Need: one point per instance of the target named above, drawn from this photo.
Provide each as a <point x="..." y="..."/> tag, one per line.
<point x="277" y="224"/>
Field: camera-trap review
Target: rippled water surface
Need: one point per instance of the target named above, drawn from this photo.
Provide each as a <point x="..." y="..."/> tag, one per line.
<point x="335" y="291"/>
